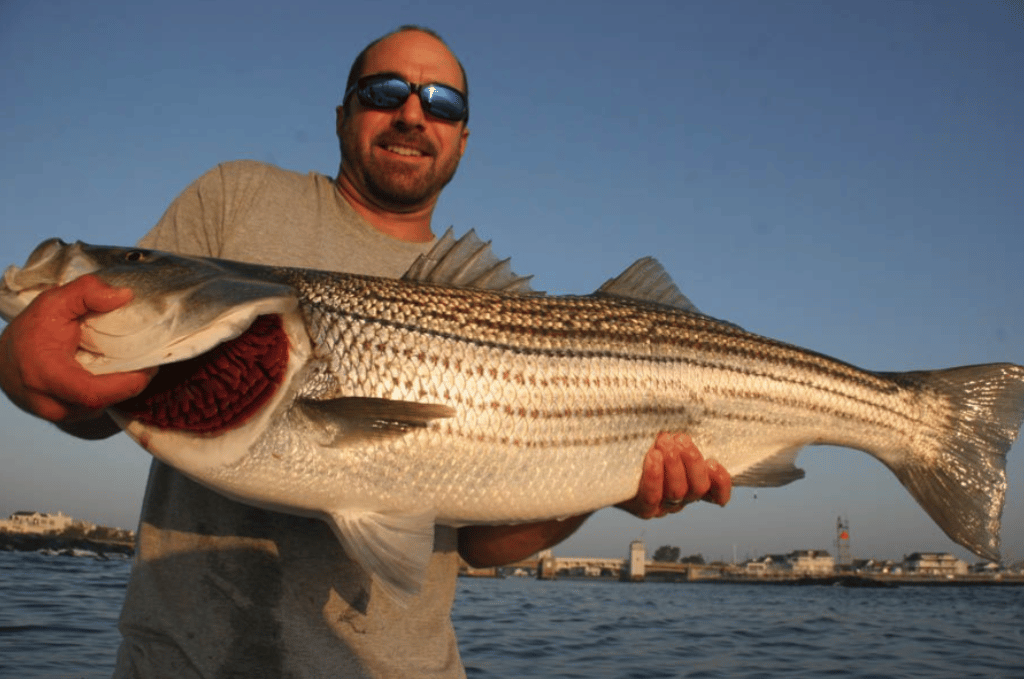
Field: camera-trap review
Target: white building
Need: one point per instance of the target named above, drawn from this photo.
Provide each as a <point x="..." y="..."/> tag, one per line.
<point x="811" y="562"/>
<point x="933" y="563"/>
<point x="769" y="563"/>
<point x="36" y="522"/>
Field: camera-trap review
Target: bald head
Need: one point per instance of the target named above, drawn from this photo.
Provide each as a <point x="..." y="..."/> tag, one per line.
<point x="392" y="41"/>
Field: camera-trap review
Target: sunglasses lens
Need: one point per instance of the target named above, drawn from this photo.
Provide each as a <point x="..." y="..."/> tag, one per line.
<point x="443" y="102"/>
<point x="389" y="93"/>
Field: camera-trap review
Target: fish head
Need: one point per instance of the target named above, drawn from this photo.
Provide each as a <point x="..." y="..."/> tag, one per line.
<point x="182" y="305"/>
<point x="226" y="337"/>
<point x="51" y="264"/>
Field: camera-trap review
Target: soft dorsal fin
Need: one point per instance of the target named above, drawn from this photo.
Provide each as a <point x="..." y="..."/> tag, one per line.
<point x="647" y="281"/>
<point x="468" y="263"/>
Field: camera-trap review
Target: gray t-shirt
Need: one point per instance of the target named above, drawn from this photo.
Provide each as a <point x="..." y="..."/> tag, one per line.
<point x="221" y="589"/>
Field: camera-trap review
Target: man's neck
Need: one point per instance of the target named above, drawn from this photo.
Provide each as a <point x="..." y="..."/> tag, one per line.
<point x="413" y="226"/>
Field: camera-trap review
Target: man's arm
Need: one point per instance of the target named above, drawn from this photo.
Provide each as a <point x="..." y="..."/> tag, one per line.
<point x="674" y="474"/>
<point x="38" y="370"/>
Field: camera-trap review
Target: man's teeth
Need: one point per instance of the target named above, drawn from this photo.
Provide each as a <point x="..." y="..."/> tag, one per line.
<point x="403" y="151"/>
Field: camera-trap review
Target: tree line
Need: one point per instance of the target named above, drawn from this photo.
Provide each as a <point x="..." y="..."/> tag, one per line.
<point x="669" y="554"/>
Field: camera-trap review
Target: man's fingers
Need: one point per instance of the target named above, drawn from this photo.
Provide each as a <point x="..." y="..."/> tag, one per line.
<point x="686" y="475"/>
<point x="721" y="484"/>
<point x="676" y="487"/>
<point x="675" y="474"/>
<point x="38" y="369"/>
<point x="697" y="478"/>
<point x="648" y="496"/>
<point x="90" y="393"/>
<point x="89" y="294"/>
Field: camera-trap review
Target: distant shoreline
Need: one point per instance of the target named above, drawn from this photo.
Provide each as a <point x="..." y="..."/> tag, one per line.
<point x="876" y="581"/>
<point x="34" y="542"/>
<point x="838" y="579"/>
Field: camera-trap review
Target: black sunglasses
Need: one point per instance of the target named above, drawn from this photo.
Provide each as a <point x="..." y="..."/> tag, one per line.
<point x="389" y="91"/>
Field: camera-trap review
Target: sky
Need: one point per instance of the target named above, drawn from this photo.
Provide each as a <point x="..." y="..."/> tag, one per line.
<point x="843" y="176"/>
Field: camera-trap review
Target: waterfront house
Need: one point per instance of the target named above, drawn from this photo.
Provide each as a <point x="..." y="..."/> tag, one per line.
<point x="934" y="563"/>
<point x="876" y="566"/>
<point x="986" y="568"/>
<point x="767" y="564"/>
<point x="811" y="562"/>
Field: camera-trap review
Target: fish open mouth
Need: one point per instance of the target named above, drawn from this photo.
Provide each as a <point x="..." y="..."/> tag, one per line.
<point x="220" y="389"/>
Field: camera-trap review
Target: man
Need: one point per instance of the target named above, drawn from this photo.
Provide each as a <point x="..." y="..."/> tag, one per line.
<point x="223" y="589"/>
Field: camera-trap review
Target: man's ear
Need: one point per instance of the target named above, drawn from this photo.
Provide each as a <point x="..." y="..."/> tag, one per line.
<point x="339" y="120"/>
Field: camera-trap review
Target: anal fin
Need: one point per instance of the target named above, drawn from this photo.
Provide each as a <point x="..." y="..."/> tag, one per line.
<point x="777" y="470"/>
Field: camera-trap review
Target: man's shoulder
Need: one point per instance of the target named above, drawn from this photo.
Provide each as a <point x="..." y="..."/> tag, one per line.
<point x="248" y="170"/>
<point x="247" y="185"/>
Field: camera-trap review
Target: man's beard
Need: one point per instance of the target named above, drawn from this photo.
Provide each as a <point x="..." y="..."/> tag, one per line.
<point x="394" y="185"/>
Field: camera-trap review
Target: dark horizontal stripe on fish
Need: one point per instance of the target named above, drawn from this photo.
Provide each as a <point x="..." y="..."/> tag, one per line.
<point x="438" y="322"/>
<point x="581" y="413"/>
<point x="684" y="411"/>
<point x="526" y="444"/>
<point x="797" y="404"/>
<point x="653" y="325"/>
<point x="852" y="376"/>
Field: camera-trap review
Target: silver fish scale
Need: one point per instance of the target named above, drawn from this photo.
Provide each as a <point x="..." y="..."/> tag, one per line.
<point x="547" y="390"/>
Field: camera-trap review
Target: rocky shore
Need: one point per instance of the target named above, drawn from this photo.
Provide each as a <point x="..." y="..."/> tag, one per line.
<point x="65" y="545"/>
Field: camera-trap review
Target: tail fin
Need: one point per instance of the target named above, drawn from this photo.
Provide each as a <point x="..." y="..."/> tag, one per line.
<point x="964" y="487"/>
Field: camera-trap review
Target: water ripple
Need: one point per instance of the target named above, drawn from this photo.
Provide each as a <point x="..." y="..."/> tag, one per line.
<point x="608" y="630"/>
<point x="58" y="618"/>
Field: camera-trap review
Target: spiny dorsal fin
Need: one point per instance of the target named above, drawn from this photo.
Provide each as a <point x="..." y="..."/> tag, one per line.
<point x="647" y="281"/>
<point x="467" y="263"/>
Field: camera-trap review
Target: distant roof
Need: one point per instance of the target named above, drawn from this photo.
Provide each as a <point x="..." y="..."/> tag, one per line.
<point x="813" y="553"/>
<point x="935" y="556"/>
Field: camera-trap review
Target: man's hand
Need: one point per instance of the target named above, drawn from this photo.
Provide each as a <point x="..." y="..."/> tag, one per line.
<point x="38" y="370"/>
<point x="674" y="475"/>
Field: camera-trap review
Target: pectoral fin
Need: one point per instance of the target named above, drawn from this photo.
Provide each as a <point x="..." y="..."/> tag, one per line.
<point x="349" y="420"/>
<point x="393" y="548"/>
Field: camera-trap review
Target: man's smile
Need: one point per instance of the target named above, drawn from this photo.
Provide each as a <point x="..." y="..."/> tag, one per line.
<point x="403" y="150"/>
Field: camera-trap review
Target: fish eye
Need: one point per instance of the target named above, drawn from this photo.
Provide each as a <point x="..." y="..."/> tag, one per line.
<point x="134" y="256"/>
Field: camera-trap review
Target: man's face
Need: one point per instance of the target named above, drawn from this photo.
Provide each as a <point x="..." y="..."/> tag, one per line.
<point x="401" y="159"/>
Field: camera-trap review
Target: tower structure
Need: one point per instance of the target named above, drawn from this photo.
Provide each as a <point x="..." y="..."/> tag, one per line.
<point x="637" y="562"/>
<point x="843" y="559"/>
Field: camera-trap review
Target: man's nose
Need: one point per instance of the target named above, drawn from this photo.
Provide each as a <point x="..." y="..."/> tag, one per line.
<point x="411" y="112"/>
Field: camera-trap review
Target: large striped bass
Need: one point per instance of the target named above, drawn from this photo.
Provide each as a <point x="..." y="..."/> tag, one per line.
<point x="386" y="406"/>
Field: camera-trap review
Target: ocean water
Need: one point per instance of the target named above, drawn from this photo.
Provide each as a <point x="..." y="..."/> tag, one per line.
<point x="58" y="618"/>
<point x="58" y="615"/>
